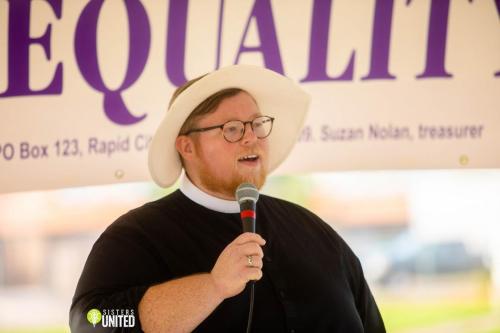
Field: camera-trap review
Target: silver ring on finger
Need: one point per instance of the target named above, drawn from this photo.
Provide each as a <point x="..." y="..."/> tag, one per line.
<point x="250" y="261"/>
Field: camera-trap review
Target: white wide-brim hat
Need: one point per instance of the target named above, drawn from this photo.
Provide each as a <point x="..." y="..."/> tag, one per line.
<point x="276" y="96"/>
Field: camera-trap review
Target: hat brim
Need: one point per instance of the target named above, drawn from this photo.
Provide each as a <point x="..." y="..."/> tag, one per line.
<point x="276" y="96"/>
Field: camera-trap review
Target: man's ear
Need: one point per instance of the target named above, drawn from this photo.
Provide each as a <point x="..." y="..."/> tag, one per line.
<point x="185" y="146"/>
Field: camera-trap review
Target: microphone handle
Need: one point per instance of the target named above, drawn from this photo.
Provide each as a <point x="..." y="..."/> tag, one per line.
<point x="247" y="209"/>
<point x="247" y="213"/>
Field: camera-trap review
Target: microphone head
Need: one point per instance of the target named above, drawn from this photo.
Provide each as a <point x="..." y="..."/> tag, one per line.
<point x="247" y="191"/>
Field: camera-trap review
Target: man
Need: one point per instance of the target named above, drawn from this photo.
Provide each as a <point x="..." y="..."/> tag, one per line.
<point x="182" y="263"/>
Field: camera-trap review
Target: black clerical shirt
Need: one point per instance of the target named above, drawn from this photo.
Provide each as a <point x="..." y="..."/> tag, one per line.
<point x="312" y="281"/>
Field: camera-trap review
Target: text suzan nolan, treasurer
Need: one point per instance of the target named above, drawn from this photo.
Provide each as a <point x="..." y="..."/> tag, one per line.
<point x="67" y="148"/>
<point x="393" y="132"/>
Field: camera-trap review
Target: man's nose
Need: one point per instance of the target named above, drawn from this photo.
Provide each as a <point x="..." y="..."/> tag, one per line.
<point x="249" y="137"/>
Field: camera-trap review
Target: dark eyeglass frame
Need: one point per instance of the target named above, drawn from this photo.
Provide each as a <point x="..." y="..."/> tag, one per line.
<point x="221" y="126"/>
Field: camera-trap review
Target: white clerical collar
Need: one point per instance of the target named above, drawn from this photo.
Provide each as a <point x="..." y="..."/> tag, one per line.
<point x="206" y="200"/>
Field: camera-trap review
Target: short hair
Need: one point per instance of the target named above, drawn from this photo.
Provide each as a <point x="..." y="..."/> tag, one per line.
<point x="206" y="107"/>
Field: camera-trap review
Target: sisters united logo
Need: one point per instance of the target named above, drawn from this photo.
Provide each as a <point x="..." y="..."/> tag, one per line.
<point x="111" y="317"/>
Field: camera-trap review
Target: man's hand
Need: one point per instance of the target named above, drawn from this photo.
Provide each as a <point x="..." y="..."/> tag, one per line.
<point x="232" y="271"/>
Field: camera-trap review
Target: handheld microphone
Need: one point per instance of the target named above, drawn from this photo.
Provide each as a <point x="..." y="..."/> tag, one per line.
<point x="247" y="196"/>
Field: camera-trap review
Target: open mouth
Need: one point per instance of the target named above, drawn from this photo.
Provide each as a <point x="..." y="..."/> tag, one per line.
<point x="249" y="158"/>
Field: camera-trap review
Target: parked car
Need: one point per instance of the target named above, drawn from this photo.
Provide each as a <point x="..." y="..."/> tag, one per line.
<point x="407" y="258"/>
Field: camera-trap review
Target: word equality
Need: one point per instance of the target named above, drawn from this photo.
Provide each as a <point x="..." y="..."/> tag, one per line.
<point x="19" y="42"/>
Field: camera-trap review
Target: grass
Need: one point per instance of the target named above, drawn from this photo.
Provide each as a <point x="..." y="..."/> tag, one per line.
<point x="403" y="315"/>
<point x="36" y="330"/>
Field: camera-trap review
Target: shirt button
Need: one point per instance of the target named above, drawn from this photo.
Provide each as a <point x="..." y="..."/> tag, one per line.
<point x="292" y="331"/>
<point x="282" y="294"/>
<point x="268" y="259"/>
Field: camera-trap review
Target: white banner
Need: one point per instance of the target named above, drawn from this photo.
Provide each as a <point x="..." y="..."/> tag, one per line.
<point x="395" y="84"/>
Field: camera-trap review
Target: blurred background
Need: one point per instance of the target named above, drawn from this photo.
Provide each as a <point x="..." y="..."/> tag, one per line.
<point x="428" y="242"/>
<point x="393" y="85"/>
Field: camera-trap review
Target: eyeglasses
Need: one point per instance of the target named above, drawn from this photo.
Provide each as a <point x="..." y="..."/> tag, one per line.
<point x="234" y="130"/>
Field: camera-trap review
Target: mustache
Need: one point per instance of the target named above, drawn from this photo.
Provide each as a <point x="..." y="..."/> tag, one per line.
<point x="251" y="152"/>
